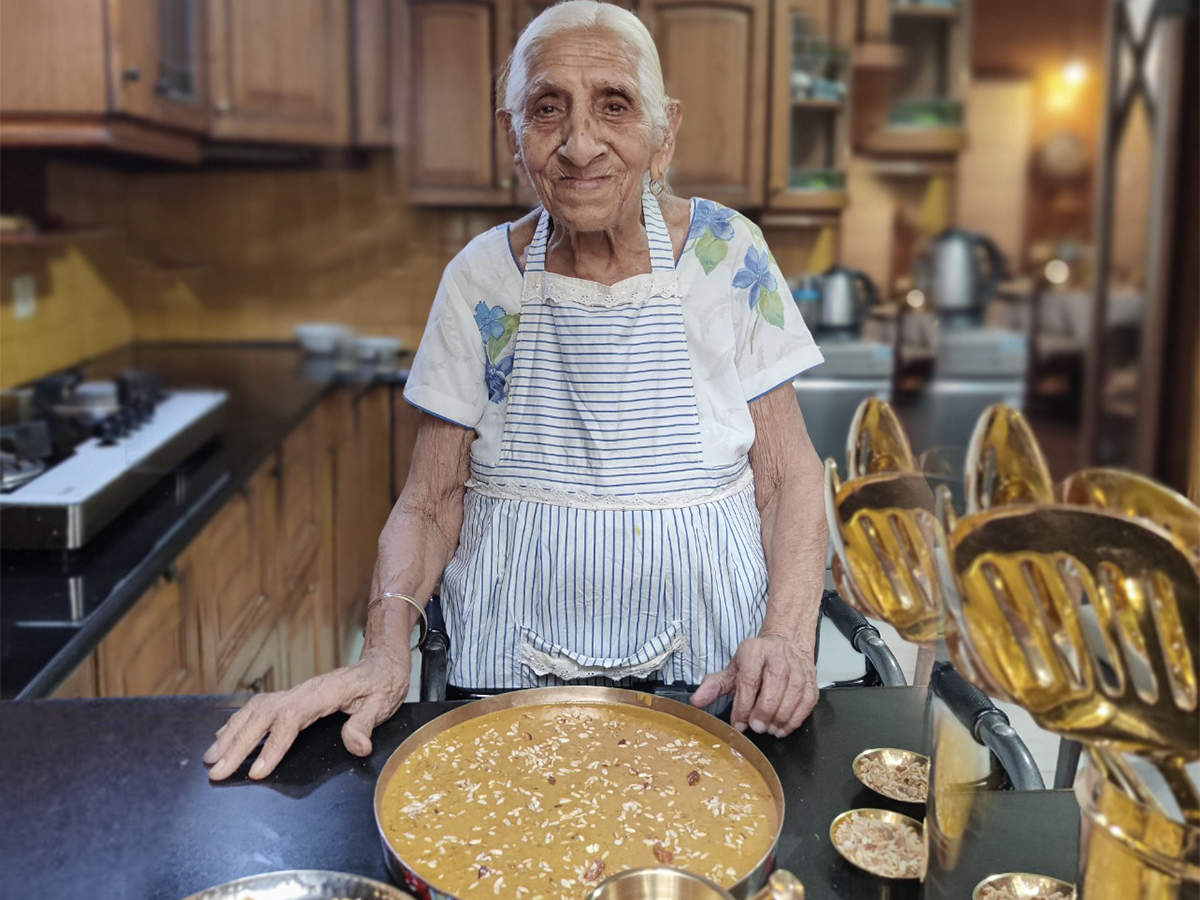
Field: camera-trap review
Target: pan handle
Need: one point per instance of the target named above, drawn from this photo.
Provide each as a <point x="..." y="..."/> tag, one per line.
<point x="782" y="885"/>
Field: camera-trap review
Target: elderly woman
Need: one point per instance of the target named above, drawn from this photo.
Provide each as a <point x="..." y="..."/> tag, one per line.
<point x="613" y="480"/>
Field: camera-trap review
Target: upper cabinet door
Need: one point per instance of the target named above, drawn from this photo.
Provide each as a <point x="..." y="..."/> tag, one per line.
<point x="458" y="153"/>
<point x="379" y="78"/>
<point x="714" y="57"/>
<point x="280" y="70"/>
<point x="52" y="58"/>
<point x="156" y="61"/>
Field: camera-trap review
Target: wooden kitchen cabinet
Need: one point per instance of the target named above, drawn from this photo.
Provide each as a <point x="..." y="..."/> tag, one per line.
<point x="809" y="105"/>
<point x="155" y="647"/>
<point x="239" y="603"/>
<point x="156" y="61"/>
<point x="265" y="672"/>
<point x="458" y="152"/>
<point x="307" y="648"/>
<point x="715" y="57"/>
<point x="280" y="70"/>
<point x="66" y="69"/>
<point x="82" y="683"/>
<point x="380" y="54"/>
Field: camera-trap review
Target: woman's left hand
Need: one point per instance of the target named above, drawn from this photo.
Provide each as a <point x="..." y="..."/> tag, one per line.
<point x="773" y="682"/>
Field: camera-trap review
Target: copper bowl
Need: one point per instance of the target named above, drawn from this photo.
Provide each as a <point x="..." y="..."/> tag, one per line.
<point x="407" y="877"/>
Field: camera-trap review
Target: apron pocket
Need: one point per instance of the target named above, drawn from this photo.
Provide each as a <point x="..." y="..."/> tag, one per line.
<point x="548" y="658"/>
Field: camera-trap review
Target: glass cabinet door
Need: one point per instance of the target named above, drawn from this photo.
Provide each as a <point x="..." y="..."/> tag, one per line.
<point x="810" y="106"/>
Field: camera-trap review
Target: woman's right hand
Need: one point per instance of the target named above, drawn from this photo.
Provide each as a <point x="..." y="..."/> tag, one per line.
<point x="370" y="691"/>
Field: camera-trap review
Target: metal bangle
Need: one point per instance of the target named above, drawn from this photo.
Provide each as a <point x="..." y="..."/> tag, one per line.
<point x="389" y="595"/>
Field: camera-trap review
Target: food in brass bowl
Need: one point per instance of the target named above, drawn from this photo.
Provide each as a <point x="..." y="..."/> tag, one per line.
<point x="881" y="842"/>
<point x="898" y="774"/>
<point x="1022" y="886"/>
<point x="548" y="799"/>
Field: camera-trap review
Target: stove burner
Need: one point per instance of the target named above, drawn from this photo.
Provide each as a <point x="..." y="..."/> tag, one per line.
<point x="15" y="472"/>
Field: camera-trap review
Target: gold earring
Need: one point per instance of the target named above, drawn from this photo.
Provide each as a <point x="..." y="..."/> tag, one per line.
<point x="657" y="186"/>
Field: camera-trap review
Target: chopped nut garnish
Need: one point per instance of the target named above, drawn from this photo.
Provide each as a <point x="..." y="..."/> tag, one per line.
<point x="693" y="778"/>
<point x="594" y="871"/>
<point x="663" y="855"/>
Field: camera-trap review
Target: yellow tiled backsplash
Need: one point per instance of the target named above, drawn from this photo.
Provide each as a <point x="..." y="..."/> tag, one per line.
<point x="226" y="255"/>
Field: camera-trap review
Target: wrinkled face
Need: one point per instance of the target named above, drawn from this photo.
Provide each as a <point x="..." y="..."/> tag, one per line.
<point x="584" y="138"/>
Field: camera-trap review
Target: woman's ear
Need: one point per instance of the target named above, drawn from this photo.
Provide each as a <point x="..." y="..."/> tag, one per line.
<point x="504" y="120"/>
<point x="661" y="160"/>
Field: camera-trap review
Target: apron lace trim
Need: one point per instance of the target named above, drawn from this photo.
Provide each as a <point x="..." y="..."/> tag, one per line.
<point x="536" y="492"/>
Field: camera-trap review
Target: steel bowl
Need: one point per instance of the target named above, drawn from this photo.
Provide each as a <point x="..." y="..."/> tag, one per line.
<point x="406" y="876"/>
<point x="302" y="884"/>
<point x="657" y="883"/>
<point x="882" y="815"/>
<point x="892" y="758"/>
<point x="1024" y="885"/>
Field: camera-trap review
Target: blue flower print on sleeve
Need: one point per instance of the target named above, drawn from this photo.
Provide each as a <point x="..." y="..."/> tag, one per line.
<point x="763" y="297"/>
<point x="490" y="321"/>
<point x="496" y="328"/>
<point x="710" y="234"/>
<point x="716" y="218"/>
<point x="755" y="274"/>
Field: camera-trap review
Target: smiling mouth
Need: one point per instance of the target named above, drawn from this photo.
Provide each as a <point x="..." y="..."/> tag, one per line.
<point x="585" y="183"/>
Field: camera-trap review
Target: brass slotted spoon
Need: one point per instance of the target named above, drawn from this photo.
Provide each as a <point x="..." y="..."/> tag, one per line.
<point x="883" y="527"/>
<point x="1029" y="577"/>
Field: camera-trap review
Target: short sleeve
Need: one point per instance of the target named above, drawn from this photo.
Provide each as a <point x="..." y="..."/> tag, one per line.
<point x="447" y="378"/>
<point x="773" y="345"/>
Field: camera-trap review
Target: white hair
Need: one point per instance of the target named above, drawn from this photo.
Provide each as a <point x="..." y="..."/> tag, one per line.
<point x="572" y="14"/>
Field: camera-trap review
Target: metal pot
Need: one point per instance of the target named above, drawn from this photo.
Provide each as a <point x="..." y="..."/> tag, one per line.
<point x="846" y="296"/>
<point x="407" y="877"/>
<point x="961" y="271"/>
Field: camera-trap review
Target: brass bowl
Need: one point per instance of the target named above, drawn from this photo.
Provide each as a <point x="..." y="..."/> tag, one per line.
<point x="655" y="883"/>
<point x="1024" y="885"/>
<point x="881" y="815"/>
<point x="892" y="758"/>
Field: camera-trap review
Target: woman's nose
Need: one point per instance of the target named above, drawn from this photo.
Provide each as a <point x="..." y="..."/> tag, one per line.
<point x="583" y="144"/>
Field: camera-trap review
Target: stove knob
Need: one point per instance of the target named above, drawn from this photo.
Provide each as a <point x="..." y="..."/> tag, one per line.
<point x="108" y="430"/>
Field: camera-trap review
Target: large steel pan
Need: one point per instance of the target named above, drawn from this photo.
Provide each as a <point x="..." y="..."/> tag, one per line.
<point x="404" y="874"/>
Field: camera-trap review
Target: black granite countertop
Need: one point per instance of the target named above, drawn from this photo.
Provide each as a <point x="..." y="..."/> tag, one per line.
<point x="113" y="800"/>
<point x="57" y="606"/>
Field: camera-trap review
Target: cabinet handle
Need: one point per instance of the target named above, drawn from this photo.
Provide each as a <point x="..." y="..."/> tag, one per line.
<point x="132" y="74"/>
<point x="312" y="588"/>
<point x="257" y="686"/>
<point x="260" y="600"/>
<point x="505" y="183"/>
<point x="162" y="87"/>
<point x="222" y="107"/>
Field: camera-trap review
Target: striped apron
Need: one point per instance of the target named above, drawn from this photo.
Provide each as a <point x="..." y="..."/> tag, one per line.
<point x="599" y="546"/>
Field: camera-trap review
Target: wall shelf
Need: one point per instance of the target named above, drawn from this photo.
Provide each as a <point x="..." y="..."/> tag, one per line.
<point x="52" y="238"/>
<point x="898" y="140"/>
<point x="877" y="55"/>
<point x="816" y="103"/>
<point x="925" y="11"/>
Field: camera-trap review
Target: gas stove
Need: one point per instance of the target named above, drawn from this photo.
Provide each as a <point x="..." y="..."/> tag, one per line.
<point x="75" y="453"/>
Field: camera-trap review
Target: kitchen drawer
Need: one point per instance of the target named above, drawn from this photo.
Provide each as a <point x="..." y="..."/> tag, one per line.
<point x="155" y="648"/>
